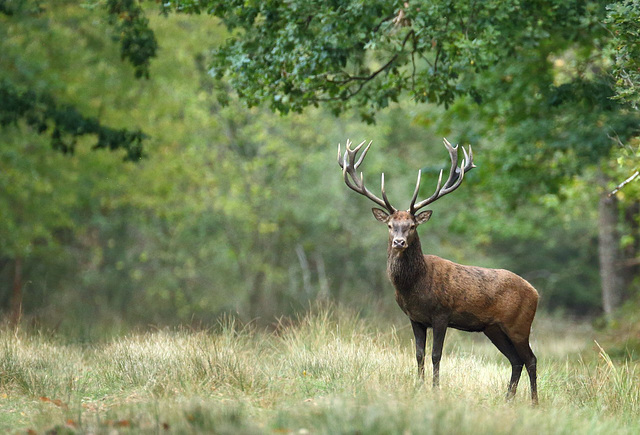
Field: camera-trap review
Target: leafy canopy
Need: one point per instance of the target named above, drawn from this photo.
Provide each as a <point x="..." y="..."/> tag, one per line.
<point x="349" y="53"/>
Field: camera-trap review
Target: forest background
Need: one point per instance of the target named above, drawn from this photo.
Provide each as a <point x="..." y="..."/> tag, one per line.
<point x="221" y="192"/>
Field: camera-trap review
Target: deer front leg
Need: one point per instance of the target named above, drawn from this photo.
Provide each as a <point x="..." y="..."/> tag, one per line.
<point x="420" y="334"/>
<point x="439" y="331"/>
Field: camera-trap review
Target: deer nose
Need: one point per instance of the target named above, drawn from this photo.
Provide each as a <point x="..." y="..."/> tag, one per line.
<point x="399" y="243"/>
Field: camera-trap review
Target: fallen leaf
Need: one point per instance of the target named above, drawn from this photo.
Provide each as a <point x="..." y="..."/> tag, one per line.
<point x="117" y="423"/>
<point x="122" y="423"/>
<point x="56" y="402"/>
<point x="60" y="403"/>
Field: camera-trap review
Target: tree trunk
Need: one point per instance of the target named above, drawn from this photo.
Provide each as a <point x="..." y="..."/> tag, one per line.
<point x="306" y="271"/>
<point x="630" y="268"/>
<point x="609" y="252"/>
<point x="256" y="297"/>
<point x="16" y="295"/>
<point x="323" y="294"/>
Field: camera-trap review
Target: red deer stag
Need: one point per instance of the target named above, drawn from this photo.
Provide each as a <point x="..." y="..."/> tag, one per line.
<point x="437" y="293"/>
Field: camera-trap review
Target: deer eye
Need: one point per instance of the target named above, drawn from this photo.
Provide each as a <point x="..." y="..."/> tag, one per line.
<point x="413" y="226"/>
<point x="389" y="225"/>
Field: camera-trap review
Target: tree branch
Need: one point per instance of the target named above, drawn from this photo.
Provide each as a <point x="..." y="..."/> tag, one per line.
<point x="624" y="183"/>
<point x="364" y="79"/>
<point x="384" y="20"/>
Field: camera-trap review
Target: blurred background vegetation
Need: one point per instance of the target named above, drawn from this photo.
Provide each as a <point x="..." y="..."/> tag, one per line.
<point x="221" y="192"/>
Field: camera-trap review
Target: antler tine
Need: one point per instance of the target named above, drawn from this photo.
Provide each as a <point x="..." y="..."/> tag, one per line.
<point x="364" y="153"/>
<point x="350" y="154"/>
<point x="437" y="185"/>
<point x="356" y="149"/>
<point x="429" y="200"/>
<point x="384" y="195"/>
<point x="469" y="159"/>
<point x="346" y="171"/>
<point x="348" y="163"/>
<point x="455" y="185"/>
<point x="345" y="174"/>
<point x="415" y="192"/>
<point x="342" y="159"/>
<point x="453" y="154"/>
<point x="466" y="156"/>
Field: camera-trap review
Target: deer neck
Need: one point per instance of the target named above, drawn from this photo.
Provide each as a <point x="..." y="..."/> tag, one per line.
<point x="406" y="268"/>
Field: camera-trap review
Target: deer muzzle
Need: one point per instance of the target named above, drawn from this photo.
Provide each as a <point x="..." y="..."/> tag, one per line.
<point x="399" y="243"/>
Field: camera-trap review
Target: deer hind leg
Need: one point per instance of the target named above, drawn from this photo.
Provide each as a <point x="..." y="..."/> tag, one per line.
<point x="420" y="333"/>
<point x="504" y="345"/>
<point x="439" y="331"/>
<point x="530" y="360"/>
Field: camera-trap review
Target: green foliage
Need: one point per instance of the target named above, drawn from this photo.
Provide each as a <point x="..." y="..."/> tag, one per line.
<point x="366" y="55"/>
<point x="30" y="89"/>
<point x="12" y="7"/>
<point x="550" y="119"/>
<point x="137" y="42"/>
<point x="537" y="74"/>
<point x="623" y="19"/>
<point x="41" y="113"/>
<point x="29" y="215"/>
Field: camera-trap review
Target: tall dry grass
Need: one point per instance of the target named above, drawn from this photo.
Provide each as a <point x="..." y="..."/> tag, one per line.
<point x="329" y="371"/>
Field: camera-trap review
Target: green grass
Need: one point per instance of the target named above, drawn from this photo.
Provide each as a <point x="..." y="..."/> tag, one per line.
<point x="329" y="371"/>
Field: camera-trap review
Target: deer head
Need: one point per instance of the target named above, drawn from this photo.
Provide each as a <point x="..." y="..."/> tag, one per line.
<point x="402" y="224"/>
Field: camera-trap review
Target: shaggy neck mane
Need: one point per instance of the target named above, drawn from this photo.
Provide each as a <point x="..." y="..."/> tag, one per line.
<point x="406" y="267"/>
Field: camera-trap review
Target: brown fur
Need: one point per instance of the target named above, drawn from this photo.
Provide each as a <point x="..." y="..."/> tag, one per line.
<point x="438" y="293"/>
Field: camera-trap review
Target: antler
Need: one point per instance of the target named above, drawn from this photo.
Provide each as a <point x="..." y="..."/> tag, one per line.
<point x="456" y="174"/>
<point x="349" y="165"/>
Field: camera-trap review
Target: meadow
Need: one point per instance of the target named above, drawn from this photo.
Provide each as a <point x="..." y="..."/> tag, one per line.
<point x="328" y="371"/>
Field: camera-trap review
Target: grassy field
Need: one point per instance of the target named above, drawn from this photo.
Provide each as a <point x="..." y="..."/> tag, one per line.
<point x="330" y="371"/>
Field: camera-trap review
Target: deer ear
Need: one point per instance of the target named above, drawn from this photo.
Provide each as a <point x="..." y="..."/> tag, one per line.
<point x="381" y="215"/>
<point x="423" y="217"/>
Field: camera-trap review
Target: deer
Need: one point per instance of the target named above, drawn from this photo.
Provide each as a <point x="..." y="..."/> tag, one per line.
<point x="439" y="294"/>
